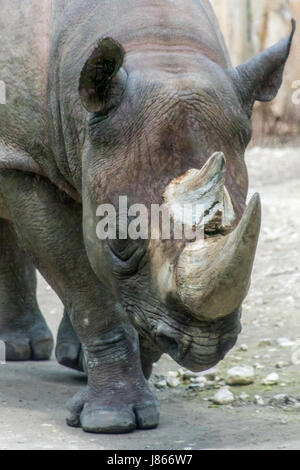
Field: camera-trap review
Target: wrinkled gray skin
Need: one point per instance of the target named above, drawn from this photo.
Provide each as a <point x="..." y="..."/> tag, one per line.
<point x="163" y="100"/>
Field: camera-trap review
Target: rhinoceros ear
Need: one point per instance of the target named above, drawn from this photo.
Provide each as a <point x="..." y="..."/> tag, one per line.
<point x="261" y="77"/>
<point x="98" y="73"/>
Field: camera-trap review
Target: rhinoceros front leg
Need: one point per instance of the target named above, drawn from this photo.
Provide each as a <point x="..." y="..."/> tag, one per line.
<point x="69" y="350"/>
<point x="22" y="326"/>
<point x="117" y="397"/>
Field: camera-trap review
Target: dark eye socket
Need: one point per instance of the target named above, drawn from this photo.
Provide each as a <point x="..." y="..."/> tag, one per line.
<point x="112" y="96"/>
<point x="103" y="75"/>
<point x="108" y="67"/>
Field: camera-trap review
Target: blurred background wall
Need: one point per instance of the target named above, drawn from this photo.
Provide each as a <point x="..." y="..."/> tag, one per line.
<point x="250" y="26"/>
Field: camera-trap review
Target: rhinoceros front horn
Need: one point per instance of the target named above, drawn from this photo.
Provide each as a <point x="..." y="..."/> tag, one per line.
<point x="212" y="276"/>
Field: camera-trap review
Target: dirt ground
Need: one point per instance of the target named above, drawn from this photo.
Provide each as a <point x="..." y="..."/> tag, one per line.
<point x="33" y="395"/>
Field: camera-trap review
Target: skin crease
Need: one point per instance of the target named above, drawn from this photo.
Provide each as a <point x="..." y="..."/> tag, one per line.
<point x="168" y="109"/>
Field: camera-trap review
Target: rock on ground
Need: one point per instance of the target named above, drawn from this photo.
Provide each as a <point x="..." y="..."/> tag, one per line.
<point x="223" y="397"/>
<point x="240" y="375"/>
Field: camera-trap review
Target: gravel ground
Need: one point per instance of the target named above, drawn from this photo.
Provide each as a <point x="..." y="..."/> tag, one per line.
<point x="32" y="395"/>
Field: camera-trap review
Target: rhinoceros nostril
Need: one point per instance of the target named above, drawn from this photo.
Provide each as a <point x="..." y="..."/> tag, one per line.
<point x="168" y="345"/>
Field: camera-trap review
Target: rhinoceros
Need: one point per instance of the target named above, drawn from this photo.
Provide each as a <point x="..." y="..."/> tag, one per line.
<point x="135" y="98"/>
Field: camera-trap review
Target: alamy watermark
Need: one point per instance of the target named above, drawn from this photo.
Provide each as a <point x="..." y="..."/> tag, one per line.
<point x="179" y="222"/>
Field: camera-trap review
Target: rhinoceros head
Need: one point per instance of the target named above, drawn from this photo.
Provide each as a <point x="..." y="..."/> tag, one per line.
<point x="171" y="127"/>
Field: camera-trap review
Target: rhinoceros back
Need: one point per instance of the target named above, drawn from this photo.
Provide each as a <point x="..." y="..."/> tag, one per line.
<point x="24" y="59"/>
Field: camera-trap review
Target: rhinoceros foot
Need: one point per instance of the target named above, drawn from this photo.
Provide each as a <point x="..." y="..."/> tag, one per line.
<point x="113" y="411"/>
<point x="68" y="349"/>
<point x="30" y="341"/>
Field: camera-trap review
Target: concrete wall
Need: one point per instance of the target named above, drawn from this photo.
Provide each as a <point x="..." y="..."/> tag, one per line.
<point x="250" y="26"/>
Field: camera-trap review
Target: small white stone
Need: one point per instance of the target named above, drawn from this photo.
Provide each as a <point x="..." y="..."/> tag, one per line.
<point x="280" y="399"/>
<point x="173" y="382"/>
<point x="188" y="375"/>
<point x="161" y="384"/>
<point x="240" y="375"/>
<point x="271" y="379"/>
<point x="244" y="347"/>
<point x="281" y="364"/>
<point x="244" y="396"/>
<point x="196" y="386"/>
<point x="173" y="373"/>
<point x="259" y="366"/>
<point x="199" y="380"/>
<point x="223" y="397"/>
<point x="258" y="400"/>
<point x="295" y="359"/>
<point x="285" y="343"/>
<point x="211" y="383"/>
<point x="209" y="374"/>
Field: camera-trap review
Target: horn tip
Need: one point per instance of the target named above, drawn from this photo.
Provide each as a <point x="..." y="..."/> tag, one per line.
<point x="251" y="221"/>
<point x="219" y="160"/>
<point x="294" y="24"/>
<point x="291" y="36"/>
<point x="255" y="201"/>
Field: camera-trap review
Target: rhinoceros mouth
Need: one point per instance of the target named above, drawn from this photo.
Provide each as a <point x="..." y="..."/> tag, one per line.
<point x="200" y="344"/>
